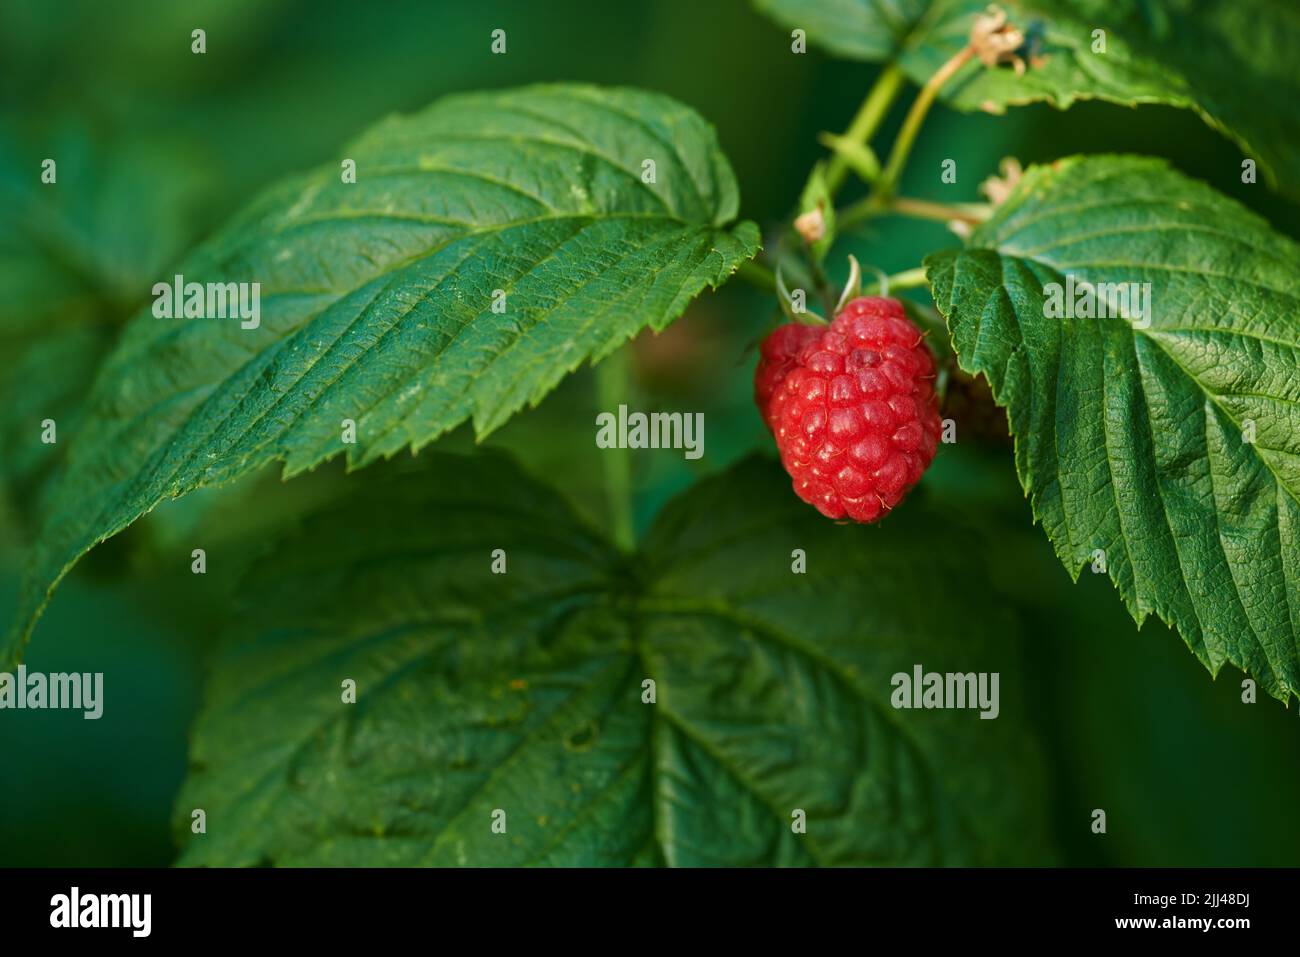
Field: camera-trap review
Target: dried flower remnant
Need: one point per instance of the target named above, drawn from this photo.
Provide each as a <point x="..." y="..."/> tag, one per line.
<point x="996" y="41"/>
<point x="998" y="188"/>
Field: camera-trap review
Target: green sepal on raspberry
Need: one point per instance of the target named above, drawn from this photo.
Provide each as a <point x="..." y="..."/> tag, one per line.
<point x="852" y="406"/>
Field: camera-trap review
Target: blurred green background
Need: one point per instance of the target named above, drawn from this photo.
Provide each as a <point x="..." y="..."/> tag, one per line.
<point x="157" y="145"/>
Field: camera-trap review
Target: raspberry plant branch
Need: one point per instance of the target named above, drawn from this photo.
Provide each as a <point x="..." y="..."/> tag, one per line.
<point x="872" y="206"/>
<point x="859" y="157"/>
<point x="865" y="123"/>
<point x="902" y="147"/>
<point x="850" y="152"/>
<point x="881" y="198"/>
<point x="907" y="279"/>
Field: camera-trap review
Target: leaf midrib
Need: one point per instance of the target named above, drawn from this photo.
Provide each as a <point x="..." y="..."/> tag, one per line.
<point x="723" y="611"/>
<point x="645" y="603"/>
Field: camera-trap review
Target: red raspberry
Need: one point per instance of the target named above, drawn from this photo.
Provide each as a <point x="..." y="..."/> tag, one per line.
<point x="852" y="407"/>
<point x="777" y="356"/>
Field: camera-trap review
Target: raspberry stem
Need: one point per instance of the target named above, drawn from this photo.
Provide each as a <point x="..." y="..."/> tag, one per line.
<point x="915" y="117"/>
<point x="872" y="206"/>
<point x="908" y="279"/>
<point x="868" y="118"/>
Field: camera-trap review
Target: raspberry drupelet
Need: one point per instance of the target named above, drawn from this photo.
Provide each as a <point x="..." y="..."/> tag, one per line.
<point x="852" y="407"/>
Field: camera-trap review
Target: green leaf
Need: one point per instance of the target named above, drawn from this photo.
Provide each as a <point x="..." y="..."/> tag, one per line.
<point x="524" y="691"/>
<point x="377" y="298"/>
<point x="856" y="29"/>
<point x="1134" y="440"/>
<point x="1229" y="60"/>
